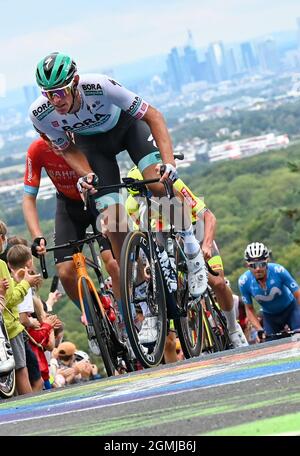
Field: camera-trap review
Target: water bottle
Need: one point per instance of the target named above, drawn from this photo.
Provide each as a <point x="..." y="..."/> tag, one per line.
<point x="108" y="307"/>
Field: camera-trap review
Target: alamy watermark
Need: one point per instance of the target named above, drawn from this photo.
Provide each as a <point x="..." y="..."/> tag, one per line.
<point x="133" y="213"/>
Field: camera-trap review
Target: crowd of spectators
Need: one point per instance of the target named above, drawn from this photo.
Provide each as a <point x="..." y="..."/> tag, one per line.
<point x="42" y="360"/>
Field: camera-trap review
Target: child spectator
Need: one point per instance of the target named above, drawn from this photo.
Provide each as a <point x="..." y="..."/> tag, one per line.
<point x="19" y="257"/>
<point x="15" y="293"/>
<point x="42" y="339"/>
<point x="64" y="368"/>
<point x="7" y="362"/>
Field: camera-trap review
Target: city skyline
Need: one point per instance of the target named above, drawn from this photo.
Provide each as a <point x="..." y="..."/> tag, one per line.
<point x="106" y="36"/>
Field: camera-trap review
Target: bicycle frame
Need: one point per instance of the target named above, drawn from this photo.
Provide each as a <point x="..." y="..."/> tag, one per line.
<point x="79" y="261"/>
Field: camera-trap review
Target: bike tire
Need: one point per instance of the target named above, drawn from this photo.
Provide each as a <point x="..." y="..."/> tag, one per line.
<point x="211" y="342"/>
<point x="7" y="381"/>
<point x="7" y="385"/>
<point x="219" y="332"/>
<point x="190" y="326"/>
<point x="135" y="243"/>
<point x="101" y="332"/>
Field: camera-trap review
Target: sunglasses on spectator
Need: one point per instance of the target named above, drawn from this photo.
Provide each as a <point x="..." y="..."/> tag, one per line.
<point x="258" y="264"/>
<point x="61" y="92"/>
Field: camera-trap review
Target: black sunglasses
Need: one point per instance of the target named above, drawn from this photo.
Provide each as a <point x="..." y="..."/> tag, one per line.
<point x="258" y="264"/>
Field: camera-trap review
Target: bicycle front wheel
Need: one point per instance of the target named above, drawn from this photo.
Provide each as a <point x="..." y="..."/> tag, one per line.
<point x="144" y="312"/>
<point x="100" y="327"/>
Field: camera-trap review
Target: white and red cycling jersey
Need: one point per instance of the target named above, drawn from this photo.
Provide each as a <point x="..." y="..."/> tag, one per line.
<point x="102" y="100"/>
<point x="40" y="155"/>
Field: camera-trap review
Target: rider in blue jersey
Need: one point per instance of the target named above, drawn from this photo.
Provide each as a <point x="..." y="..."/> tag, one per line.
<point x="273" y="287"/>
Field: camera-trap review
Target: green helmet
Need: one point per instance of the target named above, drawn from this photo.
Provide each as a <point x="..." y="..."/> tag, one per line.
<point x="55" y="70"/>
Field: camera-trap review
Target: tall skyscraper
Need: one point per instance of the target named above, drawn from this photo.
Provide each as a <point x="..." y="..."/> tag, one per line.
<point x="175" y="70"/>
<point x="268" y="54"/>
<point x="216" y="62"/>
<point x="191" y="64"/>
<point x="249" y="60"/>
<point x="231" y="65"/>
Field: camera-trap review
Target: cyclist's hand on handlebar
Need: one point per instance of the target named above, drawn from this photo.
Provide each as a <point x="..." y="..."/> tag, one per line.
<point x="207" y="251"/>
<point x="87" y="183"/>
<point x="38" y="247"/>
<point x="167" y="171"/>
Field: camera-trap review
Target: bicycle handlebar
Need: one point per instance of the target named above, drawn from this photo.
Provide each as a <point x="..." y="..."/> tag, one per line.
<point x="63" y="246"/>
<point x="282" y="334"/>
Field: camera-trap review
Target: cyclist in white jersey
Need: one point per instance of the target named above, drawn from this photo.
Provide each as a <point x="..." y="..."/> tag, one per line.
<point x="104" y="119"/>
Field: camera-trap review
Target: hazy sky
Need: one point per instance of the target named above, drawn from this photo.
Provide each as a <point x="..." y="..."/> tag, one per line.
<point x="102" y="34"/>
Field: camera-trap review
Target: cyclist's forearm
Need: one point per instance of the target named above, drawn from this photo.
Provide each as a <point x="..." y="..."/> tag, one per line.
<point x="160" y="133"/>
<point x="77" y="161"/>
<point x="31" y="216"/>
<point x="210" y="223"/>
<point x="253" y="318"/>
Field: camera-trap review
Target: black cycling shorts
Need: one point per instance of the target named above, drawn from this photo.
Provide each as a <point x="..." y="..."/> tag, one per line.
<point x="71" y="223"/>
<point x="101" y="149"/>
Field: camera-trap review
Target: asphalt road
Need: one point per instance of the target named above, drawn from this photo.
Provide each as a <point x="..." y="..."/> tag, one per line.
<point x="253" y="391"/>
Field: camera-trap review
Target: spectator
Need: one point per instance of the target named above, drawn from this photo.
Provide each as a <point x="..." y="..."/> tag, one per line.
<point x="19" y="257"/>
<point x="7" y="362"/>
<point x="65" y="370"/>
<point x="42" y="338"/>
<point x="15" y="293"/>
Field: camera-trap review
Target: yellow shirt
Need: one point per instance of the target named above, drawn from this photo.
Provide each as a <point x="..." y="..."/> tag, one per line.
<point x="14" y="295"/>
<point x="196" y="205"/>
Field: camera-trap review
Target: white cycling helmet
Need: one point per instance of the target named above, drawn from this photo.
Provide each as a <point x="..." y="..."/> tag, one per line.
<point x="256" y="251"/>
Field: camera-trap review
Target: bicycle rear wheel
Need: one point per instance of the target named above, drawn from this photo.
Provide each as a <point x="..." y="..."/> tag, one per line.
<point x="135" y="259"/>
<point x="7" y="381"/>
<point x="190" y="326"/>
<point x="100" y="327"/>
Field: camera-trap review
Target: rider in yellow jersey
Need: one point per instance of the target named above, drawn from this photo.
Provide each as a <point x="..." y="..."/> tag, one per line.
<point x="204" y="223"/>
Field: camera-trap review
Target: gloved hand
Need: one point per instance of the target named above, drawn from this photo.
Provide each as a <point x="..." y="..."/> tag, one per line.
<point x="87" y="182"/>
<point x="38" y="247"/>
<point x="168" y="171"/>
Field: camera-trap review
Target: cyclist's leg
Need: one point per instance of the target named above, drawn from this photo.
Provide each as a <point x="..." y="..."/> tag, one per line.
<point x="71" y="222"/>
<point x="110" y="263"/>
<point x="293" y="318"/>
<point x="225" y="298"/>
<point x="101" y="151"/>
<point x="273" y="323"/>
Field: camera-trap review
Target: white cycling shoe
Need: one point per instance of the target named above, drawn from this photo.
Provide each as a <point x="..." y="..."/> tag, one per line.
<point x="197" y="275"/>
<point x="238" y="338"/>
<point x="148" y="332"/>
<point x="7" y="362"/>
